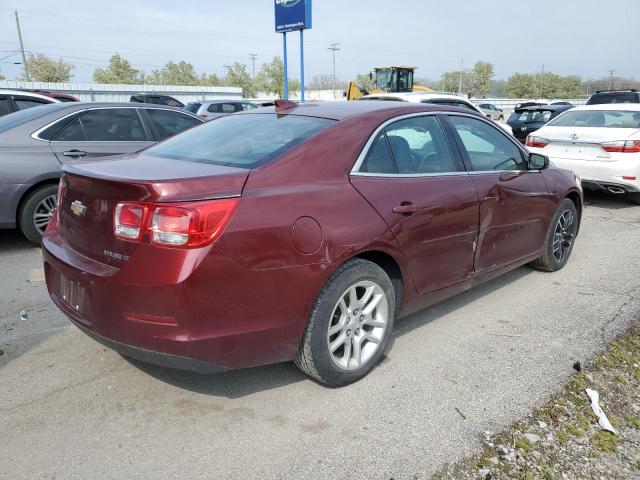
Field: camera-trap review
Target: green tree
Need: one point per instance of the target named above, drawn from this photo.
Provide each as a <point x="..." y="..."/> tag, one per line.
<point x="209" y="80"/>
<point x="180" y="73"/>
<point x="548" y="85"/>
<point x="237" y="75"/>
<point x="118" y="71"/>
<point x="271" y="78"/>
<point x="521" y="85"/>
<point x="45" y="69"/>
<point x="481" y="78"/>
<point x="2" y="77"/>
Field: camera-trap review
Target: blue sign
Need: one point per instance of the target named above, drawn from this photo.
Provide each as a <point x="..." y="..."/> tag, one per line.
<point x="292" y="15"/>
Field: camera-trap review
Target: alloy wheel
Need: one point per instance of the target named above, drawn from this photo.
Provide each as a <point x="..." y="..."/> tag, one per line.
<point x="563" y="236"/>
<point x="44" y="211"/>
<point x="358" y="325"/>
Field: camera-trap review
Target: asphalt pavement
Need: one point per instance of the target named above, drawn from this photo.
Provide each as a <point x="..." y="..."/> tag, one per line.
<point x="71" y="408"/>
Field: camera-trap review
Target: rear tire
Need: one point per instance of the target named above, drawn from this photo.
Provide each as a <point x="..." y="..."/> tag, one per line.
<point x="559" y="242"/>
<point x="350" y="325"/>
<point x="36" y="211"/>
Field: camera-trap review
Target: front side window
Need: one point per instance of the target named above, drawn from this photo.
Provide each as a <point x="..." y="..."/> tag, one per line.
<point x="113" y="125"/>
<point x="488" y="149"/>
<point x="193" y="107"/>
<point x="598" y="118"/>
<point x="169" y="123"/>
<point x="245" y="141"/>
<point x="5" y="108"/>
<point x="248" y="106"/>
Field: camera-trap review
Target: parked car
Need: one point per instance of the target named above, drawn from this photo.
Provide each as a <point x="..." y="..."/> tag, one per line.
<point x="61" y="96"/>
<point x="299" y="233"/>
<point x="601" y="143"/>
<point x="525" y="120"/>
<point x="14" y="100"/>
<point x="491" y="111"/>
<point x="436" y="98"/>
<point x="209" y="109"/>
<point x="156" y="99"/>
<point x="34" y="142"/>
<point x="614" y="96"/>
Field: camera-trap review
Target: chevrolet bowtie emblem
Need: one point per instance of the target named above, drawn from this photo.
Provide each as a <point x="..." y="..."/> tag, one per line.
<point x="78" y="208"/>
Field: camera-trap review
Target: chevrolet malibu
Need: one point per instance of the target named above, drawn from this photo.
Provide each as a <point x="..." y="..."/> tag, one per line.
<point x="299" y="232"/>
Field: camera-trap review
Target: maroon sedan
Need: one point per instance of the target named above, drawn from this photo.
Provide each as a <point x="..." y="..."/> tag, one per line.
<point x="299" y="233"/>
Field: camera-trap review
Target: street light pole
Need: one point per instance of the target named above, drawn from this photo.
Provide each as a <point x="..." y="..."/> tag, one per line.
<point x="253" y="57"/>
<point x="24" y="58"/>
<point x="334" y="48"/>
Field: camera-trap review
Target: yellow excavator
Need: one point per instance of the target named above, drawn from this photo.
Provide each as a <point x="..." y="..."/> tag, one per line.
<point x="386" y="80"/>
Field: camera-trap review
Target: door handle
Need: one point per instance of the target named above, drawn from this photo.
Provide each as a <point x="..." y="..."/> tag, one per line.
<point x="405" y="209"/>
<point x="74" y="153"/>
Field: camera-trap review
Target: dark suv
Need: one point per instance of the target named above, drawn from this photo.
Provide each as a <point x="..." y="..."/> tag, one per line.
<point x="525" y="120"/>
<point x="156" y="99"/>
<point x="614" y="96"/>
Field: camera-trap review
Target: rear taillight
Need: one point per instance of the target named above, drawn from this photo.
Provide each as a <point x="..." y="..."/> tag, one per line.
<point x="61" y="189"/>
<point x="181" y="225"/>
<point x="538" y="142"/>
<point x="622" y="146"/>
<point x="129" y="220"/>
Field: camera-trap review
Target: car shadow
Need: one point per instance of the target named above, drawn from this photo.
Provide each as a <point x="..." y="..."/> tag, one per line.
<point x="13" y="241"/>
<point x="610" y="201"/>
<point x="239" y="383"/>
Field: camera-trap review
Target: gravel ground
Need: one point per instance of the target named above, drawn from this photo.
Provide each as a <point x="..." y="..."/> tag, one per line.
<point x="562" y="438"/>
<point x="480" y="361"/>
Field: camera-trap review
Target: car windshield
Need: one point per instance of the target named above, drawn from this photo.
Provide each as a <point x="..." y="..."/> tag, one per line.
<point x="598" y="118"/>
<point x="193" y="107"/>
<point x="245" y="141"/>
<point x="23" y="116"/>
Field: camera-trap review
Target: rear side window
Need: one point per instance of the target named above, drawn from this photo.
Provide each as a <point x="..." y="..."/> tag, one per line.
<point x="245" y="141"/>
<point x="411" y="146"/>
<point x="113" y="125"/>
<point x="168" y="123"/>
<point x="613" y="97"/>
<point x="73" y="132"/>
<point x="24" y="103"/>
<point x="598" y="118"/>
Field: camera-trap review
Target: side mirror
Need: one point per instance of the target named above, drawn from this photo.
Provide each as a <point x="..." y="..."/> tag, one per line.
<point x="537" y="162"/>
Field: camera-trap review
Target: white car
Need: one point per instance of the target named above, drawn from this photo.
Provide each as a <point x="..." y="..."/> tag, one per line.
<point x="600" y="143"/>
<point x="14" y="100"/>
<point x="438" y="98"/>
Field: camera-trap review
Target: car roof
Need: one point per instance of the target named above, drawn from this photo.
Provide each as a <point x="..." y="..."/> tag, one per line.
<point x="25" y="93"/>
<point x="610" y="106"/>
<point x="416" y="96"/>
<point x="339" y="110"/>
<point x="552" y="108"/>
<point x="228" y="100"/>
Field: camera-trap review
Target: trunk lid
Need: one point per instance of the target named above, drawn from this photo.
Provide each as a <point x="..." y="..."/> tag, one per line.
<point x="93" y="189"/>
<point x="582" y="143"/>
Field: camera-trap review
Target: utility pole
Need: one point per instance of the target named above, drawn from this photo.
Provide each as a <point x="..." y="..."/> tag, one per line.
<point x="461" y="73"/>
<point x="334" y="48"/>
<point x="541" y="80"/>
<point x="24" y="58"/>
<point x="253" y="57"/>
<point x="611" y="72"/>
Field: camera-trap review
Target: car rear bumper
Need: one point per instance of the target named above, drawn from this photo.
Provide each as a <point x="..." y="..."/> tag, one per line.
<point x="623" y="173"/>
<point x="221" y="316"/>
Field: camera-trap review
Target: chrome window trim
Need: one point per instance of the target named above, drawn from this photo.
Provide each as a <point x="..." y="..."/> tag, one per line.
<point x="409" y="175"/>
<point x="35" y="134"/>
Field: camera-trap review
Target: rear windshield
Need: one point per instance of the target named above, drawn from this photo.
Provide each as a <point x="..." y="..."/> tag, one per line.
<point x="620" y="97"/>
<point x="245" y="141"/>
<point x="193" y="107"/>
<point x="23" y="116"/>
<point x="598" y="118"/>
<point x="531" y="116"/>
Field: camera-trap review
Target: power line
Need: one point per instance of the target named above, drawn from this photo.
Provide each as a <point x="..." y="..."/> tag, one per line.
<point x="334" y="48"/>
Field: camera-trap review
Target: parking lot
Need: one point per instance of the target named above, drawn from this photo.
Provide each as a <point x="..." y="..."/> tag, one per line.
<point x="71" y="408"/>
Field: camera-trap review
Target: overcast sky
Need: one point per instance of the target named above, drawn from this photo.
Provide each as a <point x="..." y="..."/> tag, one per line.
<point x="583" y="37"/>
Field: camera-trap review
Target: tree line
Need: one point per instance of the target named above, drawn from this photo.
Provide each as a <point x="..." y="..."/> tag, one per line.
<point x="474" y="82"/>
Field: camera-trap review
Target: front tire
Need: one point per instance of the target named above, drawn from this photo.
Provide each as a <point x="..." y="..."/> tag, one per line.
<point x="559" y="242"/>
<point x="634" y="197"/>
<point x="36" y="211"/>
<point x="349" y="326"/>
